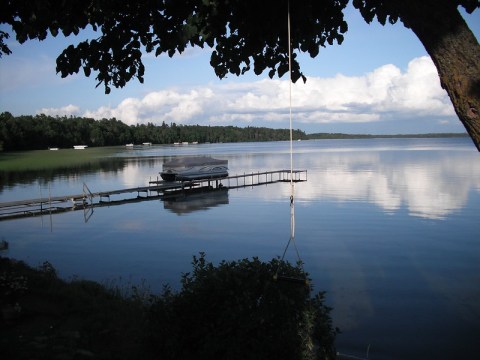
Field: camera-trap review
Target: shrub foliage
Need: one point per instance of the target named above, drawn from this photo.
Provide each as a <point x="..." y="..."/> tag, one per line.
<point x="237" y="310"/>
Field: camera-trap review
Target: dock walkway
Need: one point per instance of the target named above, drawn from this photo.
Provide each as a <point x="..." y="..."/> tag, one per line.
<point x="155" y="189"/>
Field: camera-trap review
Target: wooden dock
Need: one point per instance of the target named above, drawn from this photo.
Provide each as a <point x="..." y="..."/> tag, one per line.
<point x="156" y="189"/>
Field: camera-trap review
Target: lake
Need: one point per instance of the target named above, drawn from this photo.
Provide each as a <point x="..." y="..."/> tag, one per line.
<point x="390" y="228"/>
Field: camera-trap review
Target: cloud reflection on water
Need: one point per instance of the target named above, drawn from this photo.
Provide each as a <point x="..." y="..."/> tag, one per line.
<point x="429" y="186"/>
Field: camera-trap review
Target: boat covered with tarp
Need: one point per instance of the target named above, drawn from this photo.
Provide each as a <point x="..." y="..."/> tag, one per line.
<point x="194" y="168"/>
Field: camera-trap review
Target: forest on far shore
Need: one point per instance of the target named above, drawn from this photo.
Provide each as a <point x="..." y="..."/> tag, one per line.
<point x="41" y="132"/>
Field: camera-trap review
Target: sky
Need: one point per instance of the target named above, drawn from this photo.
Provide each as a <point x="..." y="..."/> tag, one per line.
<point x="379" y="81"/>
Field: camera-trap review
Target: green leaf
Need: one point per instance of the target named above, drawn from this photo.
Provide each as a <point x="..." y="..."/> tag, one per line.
<point x="54" y="31"/>
<point x="271" y="73"/>
<point x="282" y="69"/>
<point x="313" y="50"/>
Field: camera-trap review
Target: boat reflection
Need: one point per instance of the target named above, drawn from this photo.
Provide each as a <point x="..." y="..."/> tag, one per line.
<point x="188" y="202"/>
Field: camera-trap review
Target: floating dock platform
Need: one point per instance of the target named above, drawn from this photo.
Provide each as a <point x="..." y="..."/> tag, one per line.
<point x="156" y="189"/>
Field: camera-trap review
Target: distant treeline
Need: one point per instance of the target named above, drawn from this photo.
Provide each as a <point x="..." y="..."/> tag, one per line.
<point x="368" y="136"/>
<point x="42" y="132"/>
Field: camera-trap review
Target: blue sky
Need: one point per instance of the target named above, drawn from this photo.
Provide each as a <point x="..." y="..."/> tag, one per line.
<point x="380" y="80"/>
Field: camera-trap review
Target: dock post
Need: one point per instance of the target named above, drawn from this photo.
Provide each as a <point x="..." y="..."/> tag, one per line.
<point x="41" y="207"/>
<point x="85" y="187"/>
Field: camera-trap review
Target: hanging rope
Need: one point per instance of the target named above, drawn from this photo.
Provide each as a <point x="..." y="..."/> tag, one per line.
<point x="292" y="186"/>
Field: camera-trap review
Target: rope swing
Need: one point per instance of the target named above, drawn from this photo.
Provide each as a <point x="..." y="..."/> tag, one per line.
<point x="300" y="280"/>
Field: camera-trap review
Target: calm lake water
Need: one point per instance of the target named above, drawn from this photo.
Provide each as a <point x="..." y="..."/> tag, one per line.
<point x="390" y="228"/>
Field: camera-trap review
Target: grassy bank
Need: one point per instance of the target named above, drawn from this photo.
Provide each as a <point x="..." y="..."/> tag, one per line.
<point x="47" y="159"/>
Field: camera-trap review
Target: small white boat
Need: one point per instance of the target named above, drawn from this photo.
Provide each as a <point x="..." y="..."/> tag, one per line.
<point x="147" y="144"/>
<point x="194" y="168"/>
<point x="80" y="147"/>
<point x="53" y="149"/>
<point x="129" y="145"/>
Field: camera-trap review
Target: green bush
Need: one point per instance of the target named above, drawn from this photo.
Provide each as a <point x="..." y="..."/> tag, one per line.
<point x="237" y="310"/>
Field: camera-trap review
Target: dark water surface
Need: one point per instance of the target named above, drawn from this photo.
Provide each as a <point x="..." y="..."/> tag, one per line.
<point x="389" y="228"/>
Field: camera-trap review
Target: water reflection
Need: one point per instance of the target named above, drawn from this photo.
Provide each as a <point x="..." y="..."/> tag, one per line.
<point x="428" y="185"/>
<point x="111" y="166"/>
<point x="405" y="285"/>
<point x="429" y="179"/>
<point x="187" y="202"/>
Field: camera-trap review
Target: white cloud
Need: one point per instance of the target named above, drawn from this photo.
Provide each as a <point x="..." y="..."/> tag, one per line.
<point x="382" y="94"/>
<point x="63" y="111"/>
<point x="158" y="106"/>
<point x="417" y="91"/>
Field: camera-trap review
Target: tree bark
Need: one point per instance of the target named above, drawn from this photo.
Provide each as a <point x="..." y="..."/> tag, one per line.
<point x="455" y="52"/>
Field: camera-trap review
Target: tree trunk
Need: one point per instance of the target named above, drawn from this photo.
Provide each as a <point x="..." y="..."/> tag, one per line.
<point x="455" y="52"/>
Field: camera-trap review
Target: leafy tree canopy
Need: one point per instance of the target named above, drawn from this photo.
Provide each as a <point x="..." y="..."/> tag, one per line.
<point x="243" y="35"/>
